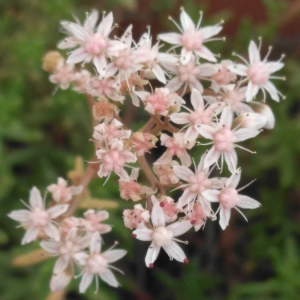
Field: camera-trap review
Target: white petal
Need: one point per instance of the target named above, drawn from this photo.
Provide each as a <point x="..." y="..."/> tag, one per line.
<point x="254" y="55"/>
<point x="196" y="99"/>
<point x="179" y="228"/>
<point x="60" y="265"/>
<point x="270" y="87"/>
<point x="95" y="244"/>
<point x="174" y="84"/>
<point x="152" y="254"/>
<point x="174" y="251"/>
<point x="109" y="278"/>
<point x="207" y="70"/>
<point x="210" y="31"/>
<point x="159" y="74"/>
<point x="77" y="56"/>
<point x="30" y="235"/>
<point x="186" y="56"/>
<point x="143" y="234"/>
<point x="211" y="157"/>
<point x="224" y="217"/>
<point x="248" y="202"/>
<point x="57" y="210"/>
<point x="186" y="159"/>
<point x="186" y="21"/>
<point x="183" y="172"/>
<point x="231" y="160"/>
<point x="35" y="198"/>
<point x="180" y="118"/>
<point x="51" y="246"/>
<point x="85" y="282"/>
<point x="206" y="54"/>
<point x="226" y="117"/>
<point x="114" y="255"/>
<point x="186" y="198"/>
<point x="211" y="195"/>
<point x="274" y="66"/>
<point x="52" y="232"/>
<point x="60" y="281"/>
<point x="78" y="31"/>
<point x="164" y="159"/>
<point x="234" y="179"/>
<point x="105" y="25"/>
<point x="21" y="215"/>
<point x="206" y="131"/>
<point x="252" y="90"/>
<point x="171" y="38"/>
<point x="239" y="69"/>
<point x="157" y="215"/>
<point x="243" y="134"/>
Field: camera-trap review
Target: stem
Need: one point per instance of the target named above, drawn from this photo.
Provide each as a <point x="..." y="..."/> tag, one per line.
<point x="148" y="172"/>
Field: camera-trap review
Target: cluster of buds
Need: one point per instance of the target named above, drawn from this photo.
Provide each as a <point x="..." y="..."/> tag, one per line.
<point x="221" y="113"/>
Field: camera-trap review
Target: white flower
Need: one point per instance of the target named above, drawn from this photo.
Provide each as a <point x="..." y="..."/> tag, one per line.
<point x="229" y="198"/>
<point x="37" y="218"/>
<point x="162" y="236"/>
<point x="258" y="72"/>
<point x="97" y="264"/>
<point x="192" y="38"/>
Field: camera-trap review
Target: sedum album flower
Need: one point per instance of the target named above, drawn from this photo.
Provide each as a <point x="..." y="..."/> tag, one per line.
<point x="136" y="217"/>
<point x="92" y="221"/>
<point x="258" y="72"/>
<point x="61" y="192"/>
<point x="165" y="173"/>
<point x="162" y="237"/>
<point x="93" y="45"/>
<point x="63" y="75"/>
<point x="224" y="140"/>
<point x="97" y="264"/>
<point x="37" y="219"/>
<point x="169" y="207"/>
<point x="229" y="198"/>
<point x="142" y="142"/>
<point x="103" y="110"/>
<point x="81" y="81"/>
<point x="198" y="217"/>
<point x="192" y="38"/>
<point x="201" y="114"/>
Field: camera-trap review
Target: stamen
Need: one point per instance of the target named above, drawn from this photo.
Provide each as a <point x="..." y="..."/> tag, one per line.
<point x="243" y="187"/>
<point x="240" y="57"/>
<point x="267" y="55"/>
<point x="241" y="213"/>
<point x="176" y="24"/>
<point x="200" y="20"/>
<point x="245" y="149"/>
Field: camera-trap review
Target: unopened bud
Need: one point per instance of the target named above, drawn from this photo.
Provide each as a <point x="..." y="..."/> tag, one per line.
<point x="51" y="60"/>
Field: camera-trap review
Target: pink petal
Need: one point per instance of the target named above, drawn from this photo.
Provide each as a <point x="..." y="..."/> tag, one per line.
<point x="57" y="210"/>
<point x="21" y="215"/>
<point x="180" y="118"/>
<point x="35" y="198"/>
<point x="60" y="281"/>
<point x="196" y="99"/>
<point x="85" y="282"/>
<point x="60" y="265"/>
<point x="206" y="131"/>
<point x="186" y="159"/>
<point x="186" y="21"/>
<point x="186" y="198"/>
<point x="105" y="25"/>
<point x="209" y="31"/>
<point x="164" y="159"/>
<point x="77" y="56"/>
<point x="234" y="179"/>
<point x="226" y="117"/>
<point x="212" y="157"/>
<point x="30" y="235"/>
<point x="95" y="244"/>
<point x="206" y="54"/>
<point x="159" y="73"/>
<point x="174" y="84"/>
<point x="252" y="90"/>
<point x="114" y="255"/>
<point x="243" y="134"/>
<point x="183" y="172"/>
<point x="52" y="232"/>
<point x="270" y="87"/>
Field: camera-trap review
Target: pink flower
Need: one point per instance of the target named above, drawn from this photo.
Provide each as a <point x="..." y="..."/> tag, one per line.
<point x="142" y="142"/>
<point x="106" y="133"/>
<point x="165" y="173"/>
<point x="201" y="114"/>
<point x="192" y="38"/>
<point x="169" y="207"/>
<point x="176" y="146"/>
<point x="189" y="75"/>
<point x="258" y="72"/>
<point x="136" y="217"/>
<point x="162" y="237"/>
<point x="224" y="140"/>
<point x="114" y="159"/>
<point x="63" y="75"/>
<point x="81" y="80"/>
<point x="93" y="221"/>
<point x="69" y="224"/>
<point x="132" y="189"/>
<point x="197" y="183"/>
<point x="103" y="110"/>
<point x="61" y="192"/>
<point x="197" y="217"/>
<point x="93" y="45"/>
<point x="229" y="198"/>
<point x="97" y="264"/>
<point x="37" y="218"/>
<point x="66" y="249"/>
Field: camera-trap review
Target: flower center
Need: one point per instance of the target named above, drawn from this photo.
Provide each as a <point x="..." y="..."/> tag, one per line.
<point x="200" y="116"/>
<point x="188" y="72"/>
<point x="96" y="45"/>
<point x="158" y="101"/>
<point x="124" y="60"/>
<point x="258" y="73"/>
<point x="96" y="264"/>
<point x="162" y="236"/>
<point x="199" y="183"/>
<point x="224" y="140"/>
<point x="113" y="161"/>
<point x="229" y="198"/>
<point x="192" y="40"/>
<point x="39" y="217"/>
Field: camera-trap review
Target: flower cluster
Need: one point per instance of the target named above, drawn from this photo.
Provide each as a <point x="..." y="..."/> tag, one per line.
<point x="197" y="101"/>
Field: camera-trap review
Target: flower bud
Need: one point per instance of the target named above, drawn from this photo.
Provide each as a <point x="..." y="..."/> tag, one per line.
<point x="104" y="110"/>
<point x="250" y="120"/>
<point x="51" y="61"/>
<point x="266" y="111"/>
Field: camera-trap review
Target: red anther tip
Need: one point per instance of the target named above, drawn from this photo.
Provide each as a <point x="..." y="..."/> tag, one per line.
<point x="193" y="222"/>
<point x="133" y="235"/>
<point x="151" y="266"/>
<point x="186" y="261"/>
<point x="162" y="204"/>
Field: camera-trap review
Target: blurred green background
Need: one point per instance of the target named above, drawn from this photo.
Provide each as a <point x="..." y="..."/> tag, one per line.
<point x="41" y="134"/>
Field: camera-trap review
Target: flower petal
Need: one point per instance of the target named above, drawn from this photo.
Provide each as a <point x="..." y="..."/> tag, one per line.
<point x="105" y="25"/>
<point x="152" y="254"/>
<point x="143" y="234"/>
<point x="109" y="278"/>
<point x="85" y="282"/>
<point x="196" y="99"/>
<point x="224" y="217"/>
<point x="254" y="55"/>
<point x="211" y="157"/>
<point x="183" y="172"/>
<point x="174" y="251"/>
<point x="231" y="160"/>
<point x="170" y="38"/>
<point x="95" y="244"/>
<point x="35" y="198"/>
<point x="157" y="215"/>
<point x="211" y="195"/>
<point x="30" y="235"/>
<point x="186" y="21"/>
<point x="248" y="202"/>
<point x="114" y="255"/>
<point x="61" y="264"/>
<point x="21" y="215"/>
<point x="57" y="210"/>
<point x="52" y="232"/>
<point x="180" y="227"/>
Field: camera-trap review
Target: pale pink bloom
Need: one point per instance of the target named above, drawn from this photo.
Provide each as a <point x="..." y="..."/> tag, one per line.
<point x="201" y="114"/>
<point x="169" y="207"/>
<point x="234" y="96"/>
<point x="106" y="133"/>
<point x="142" y="142"/>
<point x="229" y="198"/>
<point x="161" y="102"/>
<point x="224" y="77"/>
<point x="190" y="75"/>
<point x="265" y="111"/>
<point x="104" y="111"/>
<point x="63" y="75"/>
<point x="176" y="146"/>
<point x="97" y="264"/>
<point x="197" y="183"/>
<point x="60" y="281"/>
<point x="114" y="159"/>
<point x="126" y="63"/>
<point x="81" y="81"/>
<point x="61" y="192"/>
<point x="165" y="173"/>
<point x="162" y="237"/>
<point x="258" y="72"/>
<point x="107" y="87"/>
<point x="132" y="189"/>
<point x="69" y="224"/>
<point x="192" y="38"/>
<point x="93" y="221"/>
<point x="197" y="217"/>
<point x="37" y="219"/>
<point x="224" y="140"/>
<point x="154" y="61"/>
<point x="66" y="249"/>
<point x="93" y="45"/>
<point x="136" y="217"/>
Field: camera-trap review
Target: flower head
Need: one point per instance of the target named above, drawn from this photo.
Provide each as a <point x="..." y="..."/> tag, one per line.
<point x="136" y="217"/>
